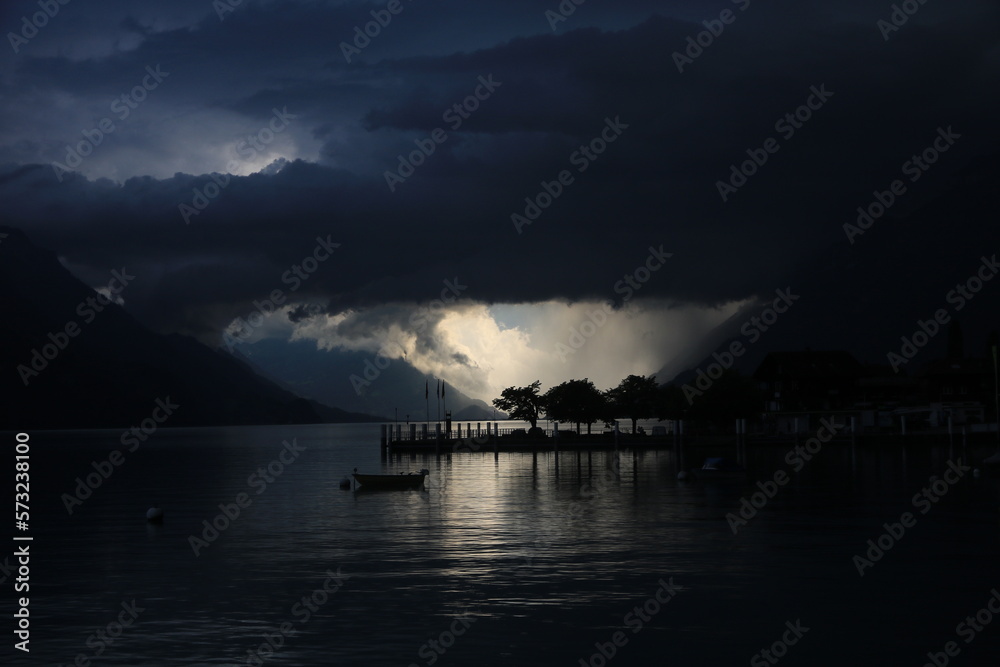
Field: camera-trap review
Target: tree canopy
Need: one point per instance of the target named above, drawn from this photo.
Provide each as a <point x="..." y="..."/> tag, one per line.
<point x="635" y="397"/>
<point x="575" y="402"/>
<point x="521" y="403"/>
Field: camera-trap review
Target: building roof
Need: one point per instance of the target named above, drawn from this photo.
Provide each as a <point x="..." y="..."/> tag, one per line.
<point x="965" y="366"/>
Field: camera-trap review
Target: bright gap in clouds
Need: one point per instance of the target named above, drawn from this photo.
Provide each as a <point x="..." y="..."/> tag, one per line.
<point x="482" y="349"/>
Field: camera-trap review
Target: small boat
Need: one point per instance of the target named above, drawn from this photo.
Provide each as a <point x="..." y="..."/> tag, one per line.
<point x="413" y="480"/>
<point x="716" y="467"/>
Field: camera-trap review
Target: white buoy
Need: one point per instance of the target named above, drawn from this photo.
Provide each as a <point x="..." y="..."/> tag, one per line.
<point x="345" y="483"/>
<point x="154" y="515"/>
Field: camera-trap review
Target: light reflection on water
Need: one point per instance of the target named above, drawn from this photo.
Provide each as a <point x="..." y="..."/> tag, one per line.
<point x="548" y="554"/>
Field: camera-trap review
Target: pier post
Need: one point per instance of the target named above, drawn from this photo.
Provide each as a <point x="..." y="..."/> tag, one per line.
<point x="555" y="437"/>
<point x="479" y="429"/>
<point x="399" y="432"/>
<point x="680" y="445"/>
<point x="413" y="432"/>
<point x="423" y="428"/>
<point x="383" y="442"/>
<point x="437" y="438"/>
<point x="743" y="439"/>
<point x="744" y="445"/>
<point x="739" y="450"/>
<point x="951" y="439"/>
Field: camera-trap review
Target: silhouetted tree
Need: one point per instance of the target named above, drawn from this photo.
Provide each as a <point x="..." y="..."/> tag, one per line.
<point x="635" y="397"/>
<point x="575" y="402"/>
<point x="522" y="403"/>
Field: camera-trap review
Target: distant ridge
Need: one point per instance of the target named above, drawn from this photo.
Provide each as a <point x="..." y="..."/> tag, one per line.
<point x="326" y="376"/>
<point x="863" y="297"/>
<point x="89" y="365"/>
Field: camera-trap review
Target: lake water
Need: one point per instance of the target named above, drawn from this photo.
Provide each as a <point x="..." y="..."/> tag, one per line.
<point x="524" y="560"/>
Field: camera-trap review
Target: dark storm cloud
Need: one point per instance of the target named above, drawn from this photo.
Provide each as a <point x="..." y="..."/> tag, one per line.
<point x="655" y="185"/>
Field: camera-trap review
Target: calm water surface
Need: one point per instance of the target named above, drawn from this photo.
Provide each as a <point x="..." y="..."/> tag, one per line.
<point x="534" y="559"/>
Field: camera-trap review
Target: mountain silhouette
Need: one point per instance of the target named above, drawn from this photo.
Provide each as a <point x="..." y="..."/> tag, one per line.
<point x="73" y="359"/>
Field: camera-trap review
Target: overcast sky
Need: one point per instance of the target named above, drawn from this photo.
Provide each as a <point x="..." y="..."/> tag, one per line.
<point x="305" y="138"/>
